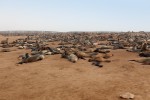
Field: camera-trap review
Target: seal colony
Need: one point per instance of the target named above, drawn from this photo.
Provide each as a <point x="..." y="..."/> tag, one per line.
<point x="96" y="47"/>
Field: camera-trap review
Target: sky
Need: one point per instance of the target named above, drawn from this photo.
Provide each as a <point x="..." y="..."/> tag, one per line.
<point x="75" y="15"/>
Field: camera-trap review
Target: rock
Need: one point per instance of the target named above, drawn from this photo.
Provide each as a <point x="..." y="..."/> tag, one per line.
<point x="127" y="96"/>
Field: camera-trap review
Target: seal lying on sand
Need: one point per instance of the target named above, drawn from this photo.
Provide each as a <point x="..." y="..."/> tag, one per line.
<point x="73" y="58"/>
<point x="101" y="50"/>
<point x="7" y="50"/>
<point x="144" y="54"/>
<point x="70" y="56"/>
<point x="33" y="58"/>
<point x="81" y="54"/>
<point x="99" y="59"/>
<point x="24" y="56"/>
<point x="145" y="61"/>
<point x="97" y="63"/>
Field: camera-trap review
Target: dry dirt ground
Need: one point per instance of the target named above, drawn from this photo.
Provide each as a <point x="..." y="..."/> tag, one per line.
<point x="55" y="78"/>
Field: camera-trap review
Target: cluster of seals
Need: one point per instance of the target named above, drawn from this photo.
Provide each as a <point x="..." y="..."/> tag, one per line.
<point x="80" y="45"/>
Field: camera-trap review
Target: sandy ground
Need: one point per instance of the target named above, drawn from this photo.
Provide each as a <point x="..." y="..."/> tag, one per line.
<point x="55" y="78"/>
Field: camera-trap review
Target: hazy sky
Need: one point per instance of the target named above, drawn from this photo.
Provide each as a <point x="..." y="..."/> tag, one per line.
<point x="75" y="15"/>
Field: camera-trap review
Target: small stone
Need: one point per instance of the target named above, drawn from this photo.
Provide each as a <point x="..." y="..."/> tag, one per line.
<point x="127" y="96"/>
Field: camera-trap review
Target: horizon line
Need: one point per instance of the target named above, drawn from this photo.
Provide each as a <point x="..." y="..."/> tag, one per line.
<point x="62" y="31"/>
